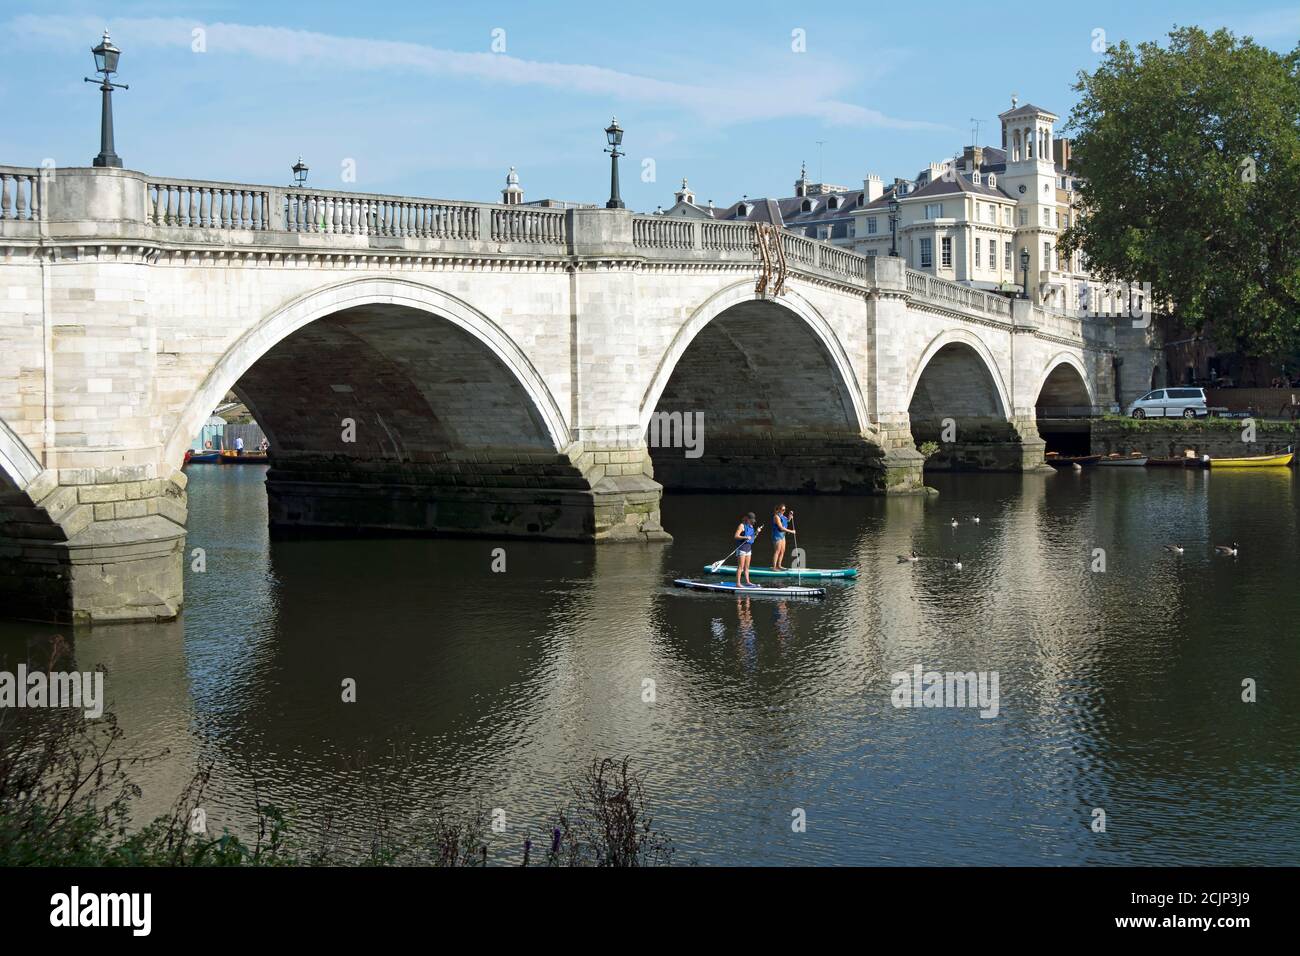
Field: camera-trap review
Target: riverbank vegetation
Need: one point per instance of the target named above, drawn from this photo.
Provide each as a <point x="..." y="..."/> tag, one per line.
<point x="1125" y="423"/>
<point x="67" y="793"/>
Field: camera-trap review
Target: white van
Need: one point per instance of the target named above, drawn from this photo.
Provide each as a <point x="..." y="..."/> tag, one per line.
<point x="1170" y="403"/>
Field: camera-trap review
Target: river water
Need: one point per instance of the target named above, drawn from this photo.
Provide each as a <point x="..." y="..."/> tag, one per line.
<point x="1119" y="689"/>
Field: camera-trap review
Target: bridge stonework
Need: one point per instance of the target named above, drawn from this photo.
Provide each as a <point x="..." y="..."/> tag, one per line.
<point x="459" y="368"/>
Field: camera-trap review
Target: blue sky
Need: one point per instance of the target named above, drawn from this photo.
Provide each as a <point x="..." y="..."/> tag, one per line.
<point x="414" y="95"/>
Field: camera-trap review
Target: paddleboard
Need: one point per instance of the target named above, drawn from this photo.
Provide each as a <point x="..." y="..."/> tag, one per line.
<point x="788" y="572"/>
<point x="730" y="587"/>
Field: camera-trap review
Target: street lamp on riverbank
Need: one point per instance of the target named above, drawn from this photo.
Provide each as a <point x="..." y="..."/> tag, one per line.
<point x="1024" y="267"/>
<point x="614" y="133"/>
<point x="106" y="56"/>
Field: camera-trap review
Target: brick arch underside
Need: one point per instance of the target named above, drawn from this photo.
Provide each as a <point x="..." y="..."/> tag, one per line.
<point x="444" y="437"/>
<point x="777" y="415"/>
<point x="957" y="385"/>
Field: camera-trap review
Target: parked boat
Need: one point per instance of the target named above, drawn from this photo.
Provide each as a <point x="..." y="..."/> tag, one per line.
<point x="1254" y="461"/>
<point x="1069" y="461"/>
<point x="207" y="457"/>
<point x="231" y="457"/>
<point x="1178" y="462"/>
<point x="1136" y="459"/>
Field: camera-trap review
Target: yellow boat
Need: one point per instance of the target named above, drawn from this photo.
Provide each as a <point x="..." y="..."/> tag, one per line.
<point x="1258" y="461"/>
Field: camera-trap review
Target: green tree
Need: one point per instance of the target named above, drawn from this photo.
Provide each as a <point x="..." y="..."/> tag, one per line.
<point x="1188" y="158"/>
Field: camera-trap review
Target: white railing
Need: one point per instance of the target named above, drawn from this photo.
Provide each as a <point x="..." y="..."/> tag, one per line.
<point x="657" y="232"/>
<point x="528" y="225"/>
<point x="727" y="236"/>
<point x="206" y="206"/>
<point x="20" y="193"/>
<point x="349" y="214"/>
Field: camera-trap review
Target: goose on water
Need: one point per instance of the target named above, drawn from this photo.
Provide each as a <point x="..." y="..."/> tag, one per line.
<point x="909" y="558"/>
<point x="1225" y="549"/>
<point x="1175" y="548"/>
<point x="955" y="565"/>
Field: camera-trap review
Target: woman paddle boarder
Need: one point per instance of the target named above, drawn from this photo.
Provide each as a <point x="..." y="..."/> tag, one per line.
<point x="780" y="525"/>
<point x="745" y="534"/>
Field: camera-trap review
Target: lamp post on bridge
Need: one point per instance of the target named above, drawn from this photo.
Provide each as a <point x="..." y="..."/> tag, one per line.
<point x="614" y="134"/>
<point x="299" y="173"/>
<point x="106" y="56"/>
<point x="894" y="208"/>
<point x="1024" y="268"/>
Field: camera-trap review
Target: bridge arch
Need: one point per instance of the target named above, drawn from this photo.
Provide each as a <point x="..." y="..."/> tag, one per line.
<point x="358" y="294"/>
<point x="1065" y="383"/>
<point x="959" y="351"/>
<point x="773" y="396"/>
<point x="18" y="466"/>
<point x="738" y="294"/>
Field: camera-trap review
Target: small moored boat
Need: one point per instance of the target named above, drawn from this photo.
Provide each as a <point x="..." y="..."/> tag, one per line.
<point x="1254" y="461"/>
<point x="208" y="457"/>
<point x="229" y="457"/>
<point x="1136" y="459"/>
<point x="1069" y="461"/>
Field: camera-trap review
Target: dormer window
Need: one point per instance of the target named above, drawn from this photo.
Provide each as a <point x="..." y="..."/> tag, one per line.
<point x="834" y="202"/>
<point x="975" y="177"/>
<point x="993" y="180"/>
<point x="742" y="210"/>
<point x="808" y="205"/>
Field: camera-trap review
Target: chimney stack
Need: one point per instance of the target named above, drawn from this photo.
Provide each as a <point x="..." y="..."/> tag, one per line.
<point x="873" y="187"/>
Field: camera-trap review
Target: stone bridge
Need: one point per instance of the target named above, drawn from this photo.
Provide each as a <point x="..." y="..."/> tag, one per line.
<point x="460" y="368"/>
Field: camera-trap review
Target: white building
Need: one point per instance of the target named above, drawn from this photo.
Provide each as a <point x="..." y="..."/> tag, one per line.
<point x="966" y="219"/>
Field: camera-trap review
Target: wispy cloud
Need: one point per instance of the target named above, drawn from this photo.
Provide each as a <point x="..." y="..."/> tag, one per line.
<point x="747" y="98"/>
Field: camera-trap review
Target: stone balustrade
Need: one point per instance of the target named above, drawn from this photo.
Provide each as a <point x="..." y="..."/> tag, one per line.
<point x="217" y="212"/>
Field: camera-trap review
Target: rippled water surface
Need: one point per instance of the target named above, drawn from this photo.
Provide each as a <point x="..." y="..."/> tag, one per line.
<point x="1119" y="689"/>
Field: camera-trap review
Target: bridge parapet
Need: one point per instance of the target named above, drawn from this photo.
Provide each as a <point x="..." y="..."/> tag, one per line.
<point x="81" y="203"/>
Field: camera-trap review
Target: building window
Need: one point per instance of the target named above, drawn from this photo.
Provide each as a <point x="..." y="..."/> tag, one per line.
<point x="927" y="253"/>
<point x="872" y="225"/>
<point x="1024" y="217"/>
<point x="991" y="213"/>
<point x="1047" y="216"/>
<point x="1047" y="255"/>
<point x="871" y="253"/>
<point x="977" y="252"/>
<point x="947" y="251"/>
<point x="1006" y="257"/>
<point x="934" y="210"/>
<point x="993" y="255"/>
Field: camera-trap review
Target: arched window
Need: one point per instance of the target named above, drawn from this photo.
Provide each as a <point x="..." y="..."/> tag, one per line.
<point x="1015" y="147"/>
<point x="808" y="205"/>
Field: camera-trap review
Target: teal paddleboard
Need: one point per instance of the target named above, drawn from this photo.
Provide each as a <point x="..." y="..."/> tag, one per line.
<point x="788" y="572"/>
<point x="730" y="587"/>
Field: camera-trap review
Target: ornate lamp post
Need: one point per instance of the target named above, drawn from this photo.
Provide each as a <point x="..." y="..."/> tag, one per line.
<point x="106" y="56"/>
<point x="614" y="133"/>
<point x="894" y="207"/>
<point x="1024" y="267"/>
<point x="299" y="173"/>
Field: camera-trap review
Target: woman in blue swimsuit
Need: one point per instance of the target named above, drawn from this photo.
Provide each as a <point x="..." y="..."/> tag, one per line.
<point x="745" y="534"/>
<point x="780" y="525"/>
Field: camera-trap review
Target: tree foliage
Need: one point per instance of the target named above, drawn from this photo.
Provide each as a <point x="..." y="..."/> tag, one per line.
<point x="1188" y="159"/>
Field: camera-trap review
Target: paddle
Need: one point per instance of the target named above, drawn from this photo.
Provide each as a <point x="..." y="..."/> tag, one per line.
<point x="721" y="561"/>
